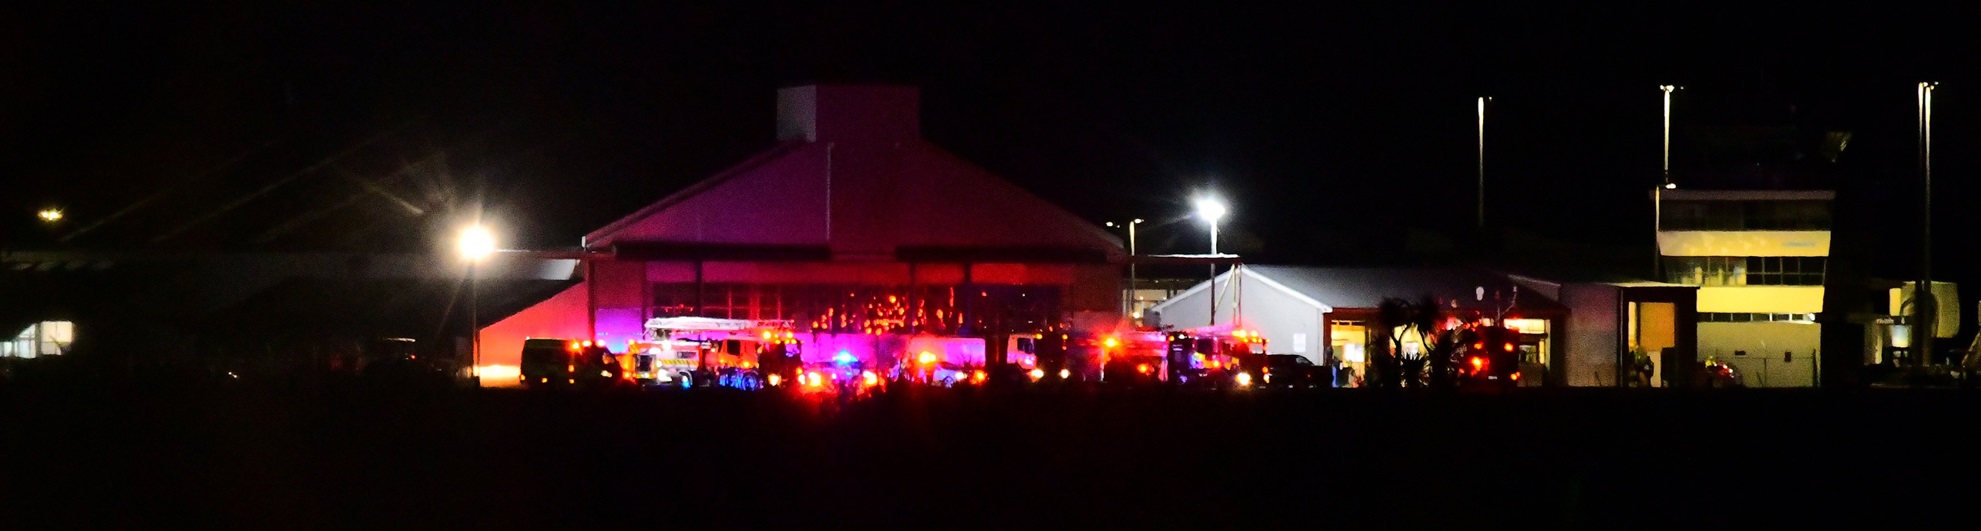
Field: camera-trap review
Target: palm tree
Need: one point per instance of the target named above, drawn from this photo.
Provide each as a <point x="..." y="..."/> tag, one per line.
<point x="1427" y="317"/>
<point x="1393" y="315"/>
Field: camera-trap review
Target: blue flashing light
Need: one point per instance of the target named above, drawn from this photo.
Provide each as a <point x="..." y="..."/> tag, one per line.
<point x="843" y="357"/>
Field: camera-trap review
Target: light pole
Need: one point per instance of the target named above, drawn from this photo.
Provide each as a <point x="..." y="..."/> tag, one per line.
<point x="475" y="245"/>
<point x="1482" y="163"/>
<point x="1134" y="312"/>
<point x="1658" y="193"/>
<point x="1212" y="209"/>
<point x="1924" y="307"/>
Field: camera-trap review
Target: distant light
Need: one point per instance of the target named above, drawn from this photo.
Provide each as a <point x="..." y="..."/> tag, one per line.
<point x="1211" y="209"/>
<point x="1671" y="186"/>
<point x="50" y="215"/>
<point x="1137" y="220"/>
<point x="476" y="243"/>
<point x="1110" y="223"/>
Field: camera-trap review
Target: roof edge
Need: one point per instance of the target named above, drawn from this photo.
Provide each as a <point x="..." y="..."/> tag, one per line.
<point x="778" y="151"/>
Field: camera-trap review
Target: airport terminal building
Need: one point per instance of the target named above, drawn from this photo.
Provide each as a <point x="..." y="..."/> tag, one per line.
<point x="852" y="227"/>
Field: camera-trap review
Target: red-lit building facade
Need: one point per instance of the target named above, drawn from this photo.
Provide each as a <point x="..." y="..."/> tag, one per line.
<point x="851" y="226"/>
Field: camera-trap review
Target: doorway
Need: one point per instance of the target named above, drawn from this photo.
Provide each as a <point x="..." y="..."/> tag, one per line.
<point x="1653" y="328"/>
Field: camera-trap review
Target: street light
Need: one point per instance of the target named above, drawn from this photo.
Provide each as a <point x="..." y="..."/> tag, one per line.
<point x="1482" y="162"/>
<point x="1658" y="194"/>
<point x="1923" y="305"/>
<point x="49" y="215"/>
<point x="1212" y="209"/>
<point x="1133" y="311"/>
<point x="475" y="245"/>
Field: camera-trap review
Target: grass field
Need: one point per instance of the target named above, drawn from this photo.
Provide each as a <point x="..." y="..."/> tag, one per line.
<point x="324" y="458"/>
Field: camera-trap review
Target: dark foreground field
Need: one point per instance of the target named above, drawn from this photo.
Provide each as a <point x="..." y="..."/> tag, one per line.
<point x="496" y="459"/>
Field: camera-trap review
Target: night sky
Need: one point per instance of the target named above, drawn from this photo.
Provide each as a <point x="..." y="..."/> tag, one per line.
<point x="1326" y="127"/>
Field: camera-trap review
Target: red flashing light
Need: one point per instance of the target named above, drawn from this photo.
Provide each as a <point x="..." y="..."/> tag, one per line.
<point x="1143" y="368"/>
<point x="1516" y="377"/>
<point x="1478" y="364"/>
<point x="574" y="346"/>
<point x="1479" y="346"/>
<point x="1509" y="347"/>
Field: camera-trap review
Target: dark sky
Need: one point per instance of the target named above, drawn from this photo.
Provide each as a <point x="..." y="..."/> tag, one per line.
<point x="1319" y="123"/>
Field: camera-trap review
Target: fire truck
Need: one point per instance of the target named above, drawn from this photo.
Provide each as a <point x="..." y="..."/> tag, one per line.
<point x="1488" y="356"/>
<point x="1213" y="357"/>
<point x="706" y="352"/>
<point x="1207" y="356"/>
<point x="1134" y="357"/>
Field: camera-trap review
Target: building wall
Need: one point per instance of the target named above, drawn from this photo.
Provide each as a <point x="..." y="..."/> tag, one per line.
<point x="1592" y="335"/>
<point x="1290" y="325"/>
<point x="1192" y="308"/>
<point x="561" y="316"/>
<point x="1744" y="243"/>
<point x="1761" y="299"/>
<point x="1764" y="343"/>
<point x="1800" y="234"/>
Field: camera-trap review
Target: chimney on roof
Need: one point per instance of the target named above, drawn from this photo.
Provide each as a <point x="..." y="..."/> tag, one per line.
<point x="849" y="113"/>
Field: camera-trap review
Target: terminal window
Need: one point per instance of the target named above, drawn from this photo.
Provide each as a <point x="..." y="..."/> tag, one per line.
<point x="1745" y="270"/>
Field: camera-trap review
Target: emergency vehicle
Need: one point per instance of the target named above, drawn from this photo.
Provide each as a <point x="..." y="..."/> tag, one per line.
<point x="1063" y="355"/>
<point x="1134" y="357"/>
<point x="700" y="351"/>
<point x="1213" y="357"/>
<point x="561" y="363"/>
<point x="846" y="375"/>
<point x="1488" y="356"/>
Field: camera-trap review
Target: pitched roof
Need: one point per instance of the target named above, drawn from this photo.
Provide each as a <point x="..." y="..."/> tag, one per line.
<point x="859" y="186"/>
<point x="1365" y="288"/>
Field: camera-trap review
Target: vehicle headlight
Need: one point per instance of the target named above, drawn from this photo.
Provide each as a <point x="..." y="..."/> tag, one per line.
<point x="1244" y="379"/>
